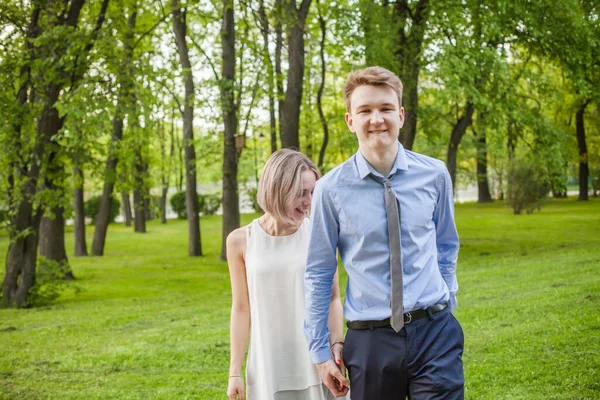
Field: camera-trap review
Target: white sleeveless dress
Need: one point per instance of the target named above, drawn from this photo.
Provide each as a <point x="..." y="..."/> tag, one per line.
<point x="278" y="365"/>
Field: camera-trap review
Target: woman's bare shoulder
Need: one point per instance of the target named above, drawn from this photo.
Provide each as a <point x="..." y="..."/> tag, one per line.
<point x="236" y="240"/>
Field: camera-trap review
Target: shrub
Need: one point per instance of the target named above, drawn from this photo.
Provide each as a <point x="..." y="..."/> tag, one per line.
<point x="92" y="205"/>
<point x="49" y="282"/>
<point x="208" y="204"/>
<point x="251" y="191"/>
<point x="178" y="204"/>
<point x="526" y="188"/>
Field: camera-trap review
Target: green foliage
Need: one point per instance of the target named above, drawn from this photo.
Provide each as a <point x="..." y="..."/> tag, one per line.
<point x="49" y="282"/>
<point x="252" y="191"/>
<point x="178" y="204"/>
<point x="208" y="204"/>
<point x="526" y="188"/>
<point x="92" y="205"/>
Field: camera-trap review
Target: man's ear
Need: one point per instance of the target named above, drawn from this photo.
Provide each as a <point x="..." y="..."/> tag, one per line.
<point x="349" y="122"/>
<point x="401" y="117"/>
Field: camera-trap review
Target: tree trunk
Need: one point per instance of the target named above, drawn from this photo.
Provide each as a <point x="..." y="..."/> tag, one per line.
<point x="411" y="33"/>
<point x="139" y="198"/>
<point x="295" y="77"/>
<point x="125" y="91"/>
<point x="584" y="171"/>
<point x="278" y="73"/>
<point x="78" y="206"/>
<point x="321" y="87"/>
<point x="21" y="259"/>
<point x="52" y="228"/>
<point x="231" y="210"/>
<point x="148" y="211"/>
<point x="457" y="134"/>
<point x="483" y="187"/>
<point x="165" y="172"/>
<point x="139" y="216"/>
<point x="126" y="208"/>
<point x="163" y="205"/>
<point x="52" y="240"/>
<point x="191" y="194"/>
<point x="264" y="20"/>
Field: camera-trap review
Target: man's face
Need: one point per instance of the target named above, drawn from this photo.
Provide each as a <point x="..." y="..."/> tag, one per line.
<point x="375" y="117"/>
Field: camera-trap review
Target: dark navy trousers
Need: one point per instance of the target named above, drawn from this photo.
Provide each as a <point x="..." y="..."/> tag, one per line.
<point x="422" y="361"/>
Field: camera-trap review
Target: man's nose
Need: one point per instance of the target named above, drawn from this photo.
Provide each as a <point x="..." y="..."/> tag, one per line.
<point x="376" y="117"/>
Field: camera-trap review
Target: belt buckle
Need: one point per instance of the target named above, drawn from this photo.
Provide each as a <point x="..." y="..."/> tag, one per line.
<point x="409" y="316"/>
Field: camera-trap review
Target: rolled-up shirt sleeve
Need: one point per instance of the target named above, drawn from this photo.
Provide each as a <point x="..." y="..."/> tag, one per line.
<point x="447" y="241"/>
<point x="320" y="269"/>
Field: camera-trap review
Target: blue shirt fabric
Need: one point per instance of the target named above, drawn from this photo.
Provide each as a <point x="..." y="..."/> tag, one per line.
<point x="348" y="214"/>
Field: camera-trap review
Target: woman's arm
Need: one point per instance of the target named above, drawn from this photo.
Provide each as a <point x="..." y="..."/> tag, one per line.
<point x="336" y="324"/>
<point x="239" y="326"/>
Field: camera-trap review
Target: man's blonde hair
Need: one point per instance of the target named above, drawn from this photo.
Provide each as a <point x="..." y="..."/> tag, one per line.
<point x="281" y="182"/>
<point x="373" y="76"/>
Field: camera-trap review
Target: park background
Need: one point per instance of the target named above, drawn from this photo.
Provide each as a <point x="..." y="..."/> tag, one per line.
<point x="154" y="109"/>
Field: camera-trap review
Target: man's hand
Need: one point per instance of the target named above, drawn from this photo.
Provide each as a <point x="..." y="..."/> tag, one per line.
<point x="332" y="377"/>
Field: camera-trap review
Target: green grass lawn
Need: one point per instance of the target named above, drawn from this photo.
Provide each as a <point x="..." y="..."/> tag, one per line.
<point x="147" y="321"/>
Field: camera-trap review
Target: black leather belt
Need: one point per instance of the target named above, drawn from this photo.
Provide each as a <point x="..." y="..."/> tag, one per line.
<point x="408" y="318"/>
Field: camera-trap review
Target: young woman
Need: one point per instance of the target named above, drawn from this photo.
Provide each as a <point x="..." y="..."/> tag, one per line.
<point x="266" y="265"/>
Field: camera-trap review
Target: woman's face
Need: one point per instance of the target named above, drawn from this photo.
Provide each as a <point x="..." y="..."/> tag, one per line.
<point x="301" y="206"/>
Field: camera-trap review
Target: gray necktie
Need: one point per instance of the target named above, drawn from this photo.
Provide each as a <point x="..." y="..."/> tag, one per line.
<point x="392" y="209"/>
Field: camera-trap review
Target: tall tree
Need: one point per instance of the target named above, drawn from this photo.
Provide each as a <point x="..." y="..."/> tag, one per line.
<point x="483" y="188"/>
<point x="231" y="209"/>
<point x="412" y="19"/>
<point x="296" y="22"/>
<point x="265" y="29"/>
<point x="584" y="169"/>
<point x="54" y="65"/>
<point x="191" y="194"/>
<point x="321" y="87"/>
<point x="125" y="81"/>
<point x="78" y="206"/>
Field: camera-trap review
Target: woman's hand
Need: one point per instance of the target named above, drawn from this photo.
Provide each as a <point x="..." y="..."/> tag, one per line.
<point x="235" y="388"/>
<point x="337" y="350"/>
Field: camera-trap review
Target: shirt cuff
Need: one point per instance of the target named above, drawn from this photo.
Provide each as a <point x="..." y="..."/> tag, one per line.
<point x="320" y="356"/>
<point x="452" y="302"/>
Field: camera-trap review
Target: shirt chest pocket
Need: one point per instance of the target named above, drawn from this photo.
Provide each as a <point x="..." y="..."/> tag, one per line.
<point x="366" y="217"/>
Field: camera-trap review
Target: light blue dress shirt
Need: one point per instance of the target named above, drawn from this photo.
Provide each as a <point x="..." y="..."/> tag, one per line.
<point x="348" y="214"/>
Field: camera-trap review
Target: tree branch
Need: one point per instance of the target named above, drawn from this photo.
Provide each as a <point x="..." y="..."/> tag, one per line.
<point x="210" y="63"/>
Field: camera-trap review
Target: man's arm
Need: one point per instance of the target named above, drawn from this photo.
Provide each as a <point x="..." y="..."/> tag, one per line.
<point x="446" y="236"/>
<point x="321" y="265"/>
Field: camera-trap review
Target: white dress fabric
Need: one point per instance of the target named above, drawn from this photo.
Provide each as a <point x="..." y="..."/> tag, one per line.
<point x="278" y="365"/>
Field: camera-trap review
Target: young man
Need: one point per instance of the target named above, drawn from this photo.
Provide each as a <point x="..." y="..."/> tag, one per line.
<point x="390" y="214"/>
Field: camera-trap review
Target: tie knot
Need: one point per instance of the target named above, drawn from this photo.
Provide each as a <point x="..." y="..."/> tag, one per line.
<point x="385" y="181"/>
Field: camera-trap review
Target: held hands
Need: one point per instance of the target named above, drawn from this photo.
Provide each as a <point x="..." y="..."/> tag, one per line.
<point x="333" y="372"/>
<point x="337" y="350"/>
<point x="235" y="388"/>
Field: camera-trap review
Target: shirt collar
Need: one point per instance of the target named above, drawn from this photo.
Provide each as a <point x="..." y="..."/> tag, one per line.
<point x="364" y="168"/>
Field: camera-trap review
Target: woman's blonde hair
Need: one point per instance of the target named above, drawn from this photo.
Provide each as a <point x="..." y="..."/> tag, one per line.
<point x="281" y="181"/>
